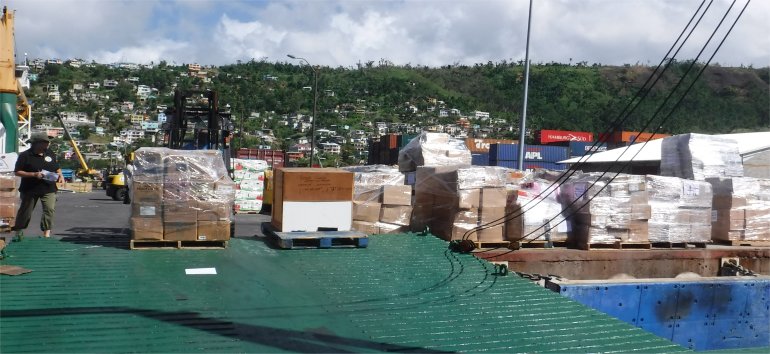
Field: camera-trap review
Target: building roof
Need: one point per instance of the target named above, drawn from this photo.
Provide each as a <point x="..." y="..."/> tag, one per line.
<point x="405" y="293"/>
<point x="651" y="150"/>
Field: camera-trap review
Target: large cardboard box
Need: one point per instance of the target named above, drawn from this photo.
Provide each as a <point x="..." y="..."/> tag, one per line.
<point x="9" y="194"/>
<point x="310" y="198"/>
<point x="145" y="209"/>
<point x="8" y="210"/>
<point x="396" y="214"/>
<point x="180" y="212"/>
<point x="368" y="228"/>
<point x="469" y="199"/>
<point x="315" y="216"/>
<point x="385" y="228"/>
<point x="397" y="195"/>
<point x="9" y="182"/>
<point x="490" y="215"/>
<point x="149" y="192"/>
<point x="458" y="232"/>
<point x="493" y="198"/>
<point x="213" y="230"/>
<point x="214" y="211"/>
<point x="146" y="228"/>
<point x="366" y="211"/>
<point x="491" y="234"/>
<point x="180" y="231"/>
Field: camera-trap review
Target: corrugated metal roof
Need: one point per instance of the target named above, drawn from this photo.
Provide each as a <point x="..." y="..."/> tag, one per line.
<point x="402" y="293"/>
<point x="651" y="151"/>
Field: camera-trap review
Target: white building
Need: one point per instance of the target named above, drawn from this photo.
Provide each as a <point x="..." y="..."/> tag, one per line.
<point x="110" y="83"/>
<point x="143" y="92"/>
<point x="331" y="148"/>
<point x="481" y="115"/>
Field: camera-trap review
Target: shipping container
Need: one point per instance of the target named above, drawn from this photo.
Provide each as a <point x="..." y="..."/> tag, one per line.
<point x="480" y="159"/>
<point x="274" y="158"/>
<point x="530" y="165"/>
<point x="626" y="137"/>
<point x="480" y="146"/>
<point x="405" y="139"/>
<point x="545" y="136"/>
<point x="540" y="153"/>
<point x="578" y="149"/>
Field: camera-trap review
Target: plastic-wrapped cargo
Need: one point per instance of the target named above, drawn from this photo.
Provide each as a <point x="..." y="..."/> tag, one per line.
<point x="249" y="178"/>
<point x="433" y="150"/>
<point x="606" y="209"/>
<point x="699" y="156"/>
<point x="9" y="199"/>
<point x="680" y="209"/>
<point x="757" y="164"/>
<point x="451" y="200"/>
<point x="382" y="202"/>
<point x="741" y="209"/>
<point x="180" y="195"/>
<point x="537" y="212"/>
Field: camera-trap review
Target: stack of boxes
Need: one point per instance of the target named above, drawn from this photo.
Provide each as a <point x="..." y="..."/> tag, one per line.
<point x="180" y="196"/>
<point x="680" y="208"/>
<point x="605" y="211"/>
<point x="433" y="149"/>
<point x="699" y="156"/>
<point x="382" y="203"/>
<point x="741" y="209"/>
<point x="312" y="199"/>
<point x="452" y="201"/>
<point x="9" y="200"/>
<point x="249" y="177"/>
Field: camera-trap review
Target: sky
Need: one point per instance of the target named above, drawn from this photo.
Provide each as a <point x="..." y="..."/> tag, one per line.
<point x="415" y="32"/>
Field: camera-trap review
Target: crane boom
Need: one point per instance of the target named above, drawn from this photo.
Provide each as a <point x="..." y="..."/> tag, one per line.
<point x="83" y="165"/>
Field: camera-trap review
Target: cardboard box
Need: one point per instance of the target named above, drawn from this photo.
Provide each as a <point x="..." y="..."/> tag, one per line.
<point x="396" y="214"/>
<point x="489" y="215"/>
<point x="213" y="211"/>
<point x="8" y="210"/>
<point x="9" y="182"/>
<point x="493" y="198"/>
<point x="9" y="194"/>
<point x="180" y="231"/>
<point x="147" y="210"/>
<point x="374" y="195"/>
<point x="467" y="217"/>
<point x="180" y="213"/>
<point x="368" y="228"/>
<point x="469" y="199"/>
<point x="491" y="234"/>
<point x="385" y="228"/>
<point x="459" y="231"/>
<point x="146" y="228"/>
<point x="397" y="195"/>
<point x="312" y="216"/>
<point x="313" y="184"/>
<point x="151" y="192"/>
<point x="366" y="211"/>
<point x="213" y="230"/>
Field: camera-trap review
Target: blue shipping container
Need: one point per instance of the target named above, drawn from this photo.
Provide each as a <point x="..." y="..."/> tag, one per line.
<point x="580" y="148"/>
<point x="539" y="153"/>
<point x="480" y="159"/>
<point x="530" y="165"/>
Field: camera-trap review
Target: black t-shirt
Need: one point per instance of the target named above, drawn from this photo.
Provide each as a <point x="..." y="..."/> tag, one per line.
<point x="30" y="162"/>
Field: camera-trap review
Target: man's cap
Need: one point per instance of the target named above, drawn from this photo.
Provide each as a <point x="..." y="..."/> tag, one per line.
<point x="40" y="137"/>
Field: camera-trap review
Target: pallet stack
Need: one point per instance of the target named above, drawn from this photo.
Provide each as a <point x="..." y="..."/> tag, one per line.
<point x="9" y="200"/>
<point x="250" y="185"/>
<point x="452" y="202"/>
<point x="180" y="196"/>
<point x="681" y="210"/>
<point x="741" y="210"/>
<point x="382" y="203"/>
<point x="604" y="211"/>
<point x="434" y="150"/>
<point x="312" y="199"/>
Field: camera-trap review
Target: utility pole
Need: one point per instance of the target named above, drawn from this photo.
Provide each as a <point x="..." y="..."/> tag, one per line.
<point x="523" y="122"/>
<point x="315" y="105"/>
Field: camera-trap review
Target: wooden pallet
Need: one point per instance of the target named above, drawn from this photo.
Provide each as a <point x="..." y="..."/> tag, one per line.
<point x="679" y="244"/>
<point x="752" y="243"/>
<point x="315" y="239"/>
<point x="496" y="244"/>
<point x="166" y="244"/>
<point x="617" y="246"/>
<point x="537" y="244"/>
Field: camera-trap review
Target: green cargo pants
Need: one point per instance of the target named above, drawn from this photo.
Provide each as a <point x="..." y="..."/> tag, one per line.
<point x="28" y="203"/>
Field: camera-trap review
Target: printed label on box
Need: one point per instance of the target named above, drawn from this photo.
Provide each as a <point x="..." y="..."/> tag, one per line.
<point x="714" y="216"/>
<point x="690" y="189"/>
<point x="147" y="211"/>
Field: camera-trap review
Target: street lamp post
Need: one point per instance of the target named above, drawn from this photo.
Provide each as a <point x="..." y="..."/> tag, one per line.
<point x="315" y="106"/>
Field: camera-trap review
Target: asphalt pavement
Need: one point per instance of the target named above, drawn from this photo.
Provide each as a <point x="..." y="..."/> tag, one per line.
<point x="95" y="215"/>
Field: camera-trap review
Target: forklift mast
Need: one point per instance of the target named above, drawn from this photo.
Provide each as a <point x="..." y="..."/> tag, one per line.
<point x="196" y="123"/>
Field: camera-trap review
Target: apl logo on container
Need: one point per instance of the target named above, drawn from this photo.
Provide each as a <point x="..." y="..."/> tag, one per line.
<point x="533" y="155"/>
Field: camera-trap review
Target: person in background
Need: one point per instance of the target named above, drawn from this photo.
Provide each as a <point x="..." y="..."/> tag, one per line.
<point x="39" y="172"/>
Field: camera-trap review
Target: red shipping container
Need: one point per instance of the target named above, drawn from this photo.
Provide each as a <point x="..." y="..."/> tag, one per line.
<point x="552" y="136"/>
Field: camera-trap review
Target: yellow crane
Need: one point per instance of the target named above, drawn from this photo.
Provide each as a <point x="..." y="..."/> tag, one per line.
<point x="85" y="173"/>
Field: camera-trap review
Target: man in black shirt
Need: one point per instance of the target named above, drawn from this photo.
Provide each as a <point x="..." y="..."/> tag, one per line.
<point x="39" y="172"/>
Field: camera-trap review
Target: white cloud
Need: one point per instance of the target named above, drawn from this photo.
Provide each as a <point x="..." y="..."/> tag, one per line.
<point x="344" y="32"/>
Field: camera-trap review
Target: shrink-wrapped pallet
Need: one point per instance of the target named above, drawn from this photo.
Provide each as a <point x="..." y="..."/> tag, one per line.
<point x="699" y="156"/>
<point x="9" y="199"/>
<point x="741" y="209"/>
<point x="452" y="201"/>
<point x="382" y="203"/>
<point x="180" y="195"/>
<point x="433" y="150"/>
<point x="606" y="209"/>
<point x="757" y="164"/>
<point x="681" y="210"/>
<point x="249" y="178"/>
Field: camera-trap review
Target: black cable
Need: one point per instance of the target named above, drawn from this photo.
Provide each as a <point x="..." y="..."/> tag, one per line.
<point x="676" y="105"/>
<point x="619" y="121"/>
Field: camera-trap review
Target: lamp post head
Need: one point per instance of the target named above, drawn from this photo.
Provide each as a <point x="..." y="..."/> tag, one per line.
<point x="291" y="56"/>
